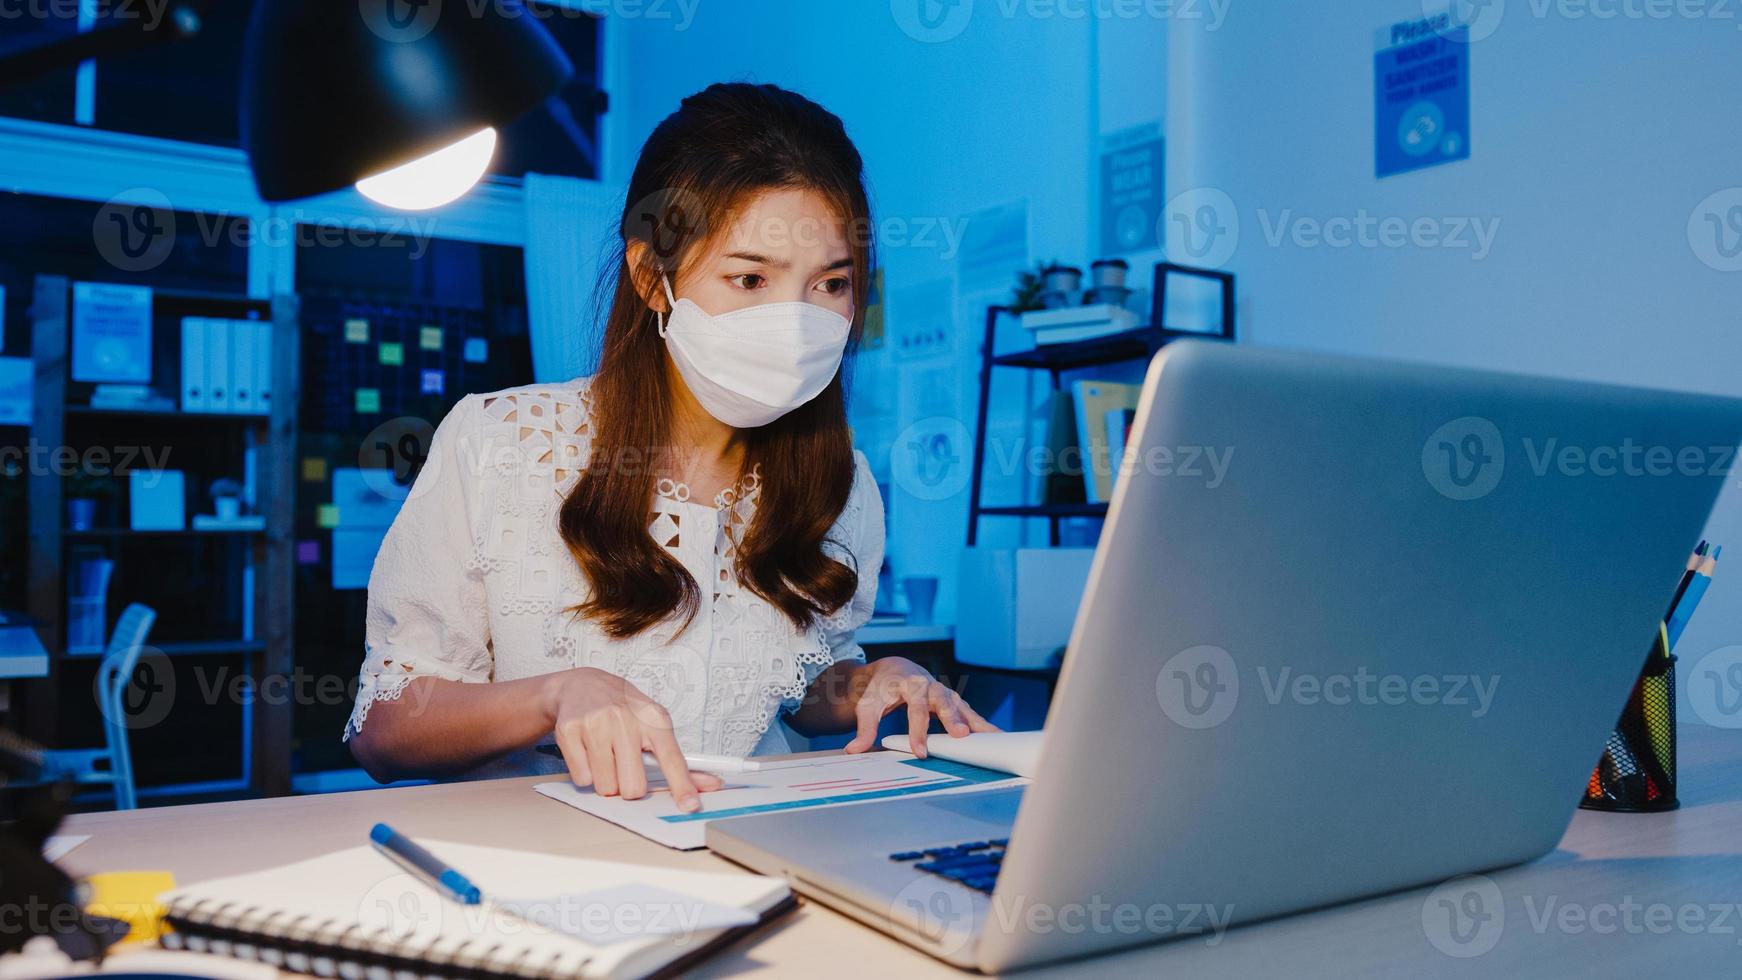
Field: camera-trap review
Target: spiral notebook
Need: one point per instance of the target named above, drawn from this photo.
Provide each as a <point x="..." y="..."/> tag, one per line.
<point x="353" y="914"/>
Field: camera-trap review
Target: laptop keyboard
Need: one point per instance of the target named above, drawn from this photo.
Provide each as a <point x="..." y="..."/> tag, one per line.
<point x="974" y="864"/>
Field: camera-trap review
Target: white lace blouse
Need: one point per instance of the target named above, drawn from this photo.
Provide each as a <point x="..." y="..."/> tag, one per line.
<point x="473" y="583"/>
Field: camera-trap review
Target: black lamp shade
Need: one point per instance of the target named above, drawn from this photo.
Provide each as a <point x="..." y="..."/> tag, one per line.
<point x="337" y="90"/>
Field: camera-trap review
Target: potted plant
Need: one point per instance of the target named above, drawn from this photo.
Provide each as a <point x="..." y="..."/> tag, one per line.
<point x="85" y="491"/>
<point x="226" y="499"/>
<point x="1030" y="284"/>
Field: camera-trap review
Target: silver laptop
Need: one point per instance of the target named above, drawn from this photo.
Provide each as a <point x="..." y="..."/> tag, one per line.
<point x="1352" y="626"/>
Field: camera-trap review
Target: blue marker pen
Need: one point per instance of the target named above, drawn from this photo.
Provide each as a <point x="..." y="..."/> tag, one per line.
<point x="406" y="853"/>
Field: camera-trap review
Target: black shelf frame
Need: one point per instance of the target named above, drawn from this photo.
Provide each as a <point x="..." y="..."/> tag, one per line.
<point x="1056" y="359"/>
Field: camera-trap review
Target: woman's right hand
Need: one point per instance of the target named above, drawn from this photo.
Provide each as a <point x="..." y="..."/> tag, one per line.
<point x="603" y="723"/>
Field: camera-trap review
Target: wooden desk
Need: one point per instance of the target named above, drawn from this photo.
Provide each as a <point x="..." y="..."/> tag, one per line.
<point x="1565" y="915"/>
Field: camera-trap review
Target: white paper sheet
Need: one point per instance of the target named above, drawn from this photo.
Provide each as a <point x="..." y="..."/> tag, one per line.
<point x="57" y="846"/>
<point x="873" y="776"/>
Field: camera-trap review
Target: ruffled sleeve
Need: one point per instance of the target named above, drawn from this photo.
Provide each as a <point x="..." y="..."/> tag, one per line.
<point x="857" y="540"/>
<point x="427" y="611"/>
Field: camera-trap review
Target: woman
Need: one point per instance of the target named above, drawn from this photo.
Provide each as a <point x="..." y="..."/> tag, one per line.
<point x="667" y="556"/>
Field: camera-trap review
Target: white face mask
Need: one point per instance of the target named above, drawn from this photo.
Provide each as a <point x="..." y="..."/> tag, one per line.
<point x="751" y="366"/>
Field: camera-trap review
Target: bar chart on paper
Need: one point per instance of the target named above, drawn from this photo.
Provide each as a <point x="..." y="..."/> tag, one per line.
<point x="874" y="776"/>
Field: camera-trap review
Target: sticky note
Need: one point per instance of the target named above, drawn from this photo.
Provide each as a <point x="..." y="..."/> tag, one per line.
<point x="430" y="338"/>
<point x="308" y="552"/>
<point x="433" y="382"/>
<point x="477" y="350"/>
<point x="327" y="515"/>
<point x="357" y="331"/>
<point x="130" y="896"/>
<point x="368" y="401"/>
<point x="314" y="469"/>
<point x="392" y="353"/>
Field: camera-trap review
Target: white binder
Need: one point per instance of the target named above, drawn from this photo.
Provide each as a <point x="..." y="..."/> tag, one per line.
<point x="195" y="396"/>
<point x="263" y="366"/>
<point x="222" y="398"/>
<point x="242" y="393"/>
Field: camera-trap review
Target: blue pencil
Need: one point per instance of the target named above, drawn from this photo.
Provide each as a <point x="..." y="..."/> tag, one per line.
<point x="1690" y="601"/>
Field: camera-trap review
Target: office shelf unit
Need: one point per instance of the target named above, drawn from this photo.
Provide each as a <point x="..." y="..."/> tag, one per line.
<point x="1056" y="359"/>
<point x="213" y="596"/>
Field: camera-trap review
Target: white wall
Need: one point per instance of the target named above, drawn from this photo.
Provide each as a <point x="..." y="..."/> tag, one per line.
<point x="1593" y="141"/>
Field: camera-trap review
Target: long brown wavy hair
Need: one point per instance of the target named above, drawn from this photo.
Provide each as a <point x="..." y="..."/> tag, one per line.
<point x="722" y="147"/>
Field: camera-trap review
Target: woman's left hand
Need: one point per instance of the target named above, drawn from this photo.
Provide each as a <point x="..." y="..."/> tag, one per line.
<point x="884" y="685"/>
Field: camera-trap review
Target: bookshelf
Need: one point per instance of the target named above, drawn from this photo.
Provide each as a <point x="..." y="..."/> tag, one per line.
<point x="1056" y="359"/>
<point x="196" y="579"/>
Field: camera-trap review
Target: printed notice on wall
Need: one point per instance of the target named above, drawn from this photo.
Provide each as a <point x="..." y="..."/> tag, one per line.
<point x="1133" y="163"/>
<point x="1421" y="89"/>
<point x="111" y="332"/>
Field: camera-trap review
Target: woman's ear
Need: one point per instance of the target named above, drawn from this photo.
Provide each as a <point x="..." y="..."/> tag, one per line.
<point x="643" y="277"/>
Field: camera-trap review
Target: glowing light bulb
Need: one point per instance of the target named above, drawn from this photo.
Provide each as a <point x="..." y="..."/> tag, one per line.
<point x="433" y="179"/>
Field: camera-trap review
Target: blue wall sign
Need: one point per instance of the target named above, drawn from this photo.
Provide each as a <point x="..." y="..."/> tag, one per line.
<point x="1133" y="164"/>
<point x="1421" y="91"/>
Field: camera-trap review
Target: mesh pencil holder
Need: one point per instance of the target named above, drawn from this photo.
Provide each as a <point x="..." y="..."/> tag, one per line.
<point x="1637" y="771"/>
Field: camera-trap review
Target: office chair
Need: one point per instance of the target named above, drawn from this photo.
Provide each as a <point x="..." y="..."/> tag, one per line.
<point x="111" y="765"/>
